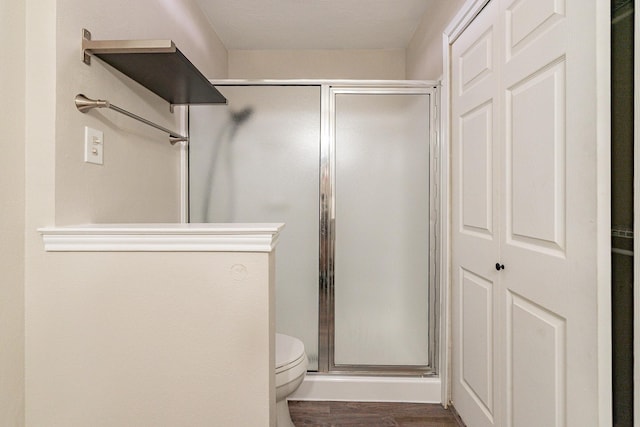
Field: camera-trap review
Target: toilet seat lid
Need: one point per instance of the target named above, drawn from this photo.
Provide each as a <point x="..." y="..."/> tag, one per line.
<point x="288" y="350"/>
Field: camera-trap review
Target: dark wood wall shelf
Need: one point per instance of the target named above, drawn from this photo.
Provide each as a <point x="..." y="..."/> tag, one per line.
<point x="157" y="65"/>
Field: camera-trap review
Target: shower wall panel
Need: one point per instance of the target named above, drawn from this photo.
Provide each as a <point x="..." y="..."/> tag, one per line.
<point x="257" y="160"/>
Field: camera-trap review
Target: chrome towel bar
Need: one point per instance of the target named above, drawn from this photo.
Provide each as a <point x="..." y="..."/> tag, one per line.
<point x="84" y="104"/>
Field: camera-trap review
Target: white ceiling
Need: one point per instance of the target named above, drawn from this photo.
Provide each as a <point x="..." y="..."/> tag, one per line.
<point x="315" y="24"/>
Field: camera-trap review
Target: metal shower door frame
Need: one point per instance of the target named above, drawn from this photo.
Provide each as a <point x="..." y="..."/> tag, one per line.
<point x="326" y="352"/>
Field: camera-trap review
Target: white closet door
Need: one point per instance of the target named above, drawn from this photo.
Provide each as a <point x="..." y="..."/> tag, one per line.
<point x="475" y="133"/>
<point x="539" y="349"/>
<point x="548" y="246"/>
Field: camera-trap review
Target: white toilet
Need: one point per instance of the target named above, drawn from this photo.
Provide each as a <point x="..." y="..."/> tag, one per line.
<point x="291" y="366"/>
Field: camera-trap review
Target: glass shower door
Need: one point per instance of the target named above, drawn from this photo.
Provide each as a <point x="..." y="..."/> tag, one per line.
<point x="381" y="229"/>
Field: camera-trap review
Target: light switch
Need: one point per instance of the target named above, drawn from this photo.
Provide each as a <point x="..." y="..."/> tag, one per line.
<point x="93" y="145"/>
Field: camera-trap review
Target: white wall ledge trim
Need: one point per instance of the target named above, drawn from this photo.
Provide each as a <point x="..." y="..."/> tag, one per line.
<point x="162" y="238"/>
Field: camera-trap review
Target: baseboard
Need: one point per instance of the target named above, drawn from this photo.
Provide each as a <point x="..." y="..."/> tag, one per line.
<point x="369" y="389"/>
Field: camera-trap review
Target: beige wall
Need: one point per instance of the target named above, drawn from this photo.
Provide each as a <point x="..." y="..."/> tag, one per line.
<point x="40" y="48"/>
<point x="152" y="339"/>
<point x="424" y="53"/>
<point x="12" y="143"/>
<point x="139" y="181"/>
<point x="317" y="64"/>
<point x="422" y="60"/>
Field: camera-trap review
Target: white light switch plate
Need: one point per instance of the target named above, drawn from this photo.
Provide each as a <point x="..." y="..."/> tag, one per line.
<point x="93" y="145"/>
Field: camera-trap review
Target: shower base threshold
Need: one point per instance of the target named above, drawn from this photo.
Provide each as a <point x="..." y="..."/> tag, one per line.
<point x="369" y="389"/>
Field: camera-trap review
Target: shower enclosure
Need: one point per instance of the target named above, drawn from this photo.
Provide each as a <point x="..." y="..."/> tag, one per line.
<point x="349" y="167"/>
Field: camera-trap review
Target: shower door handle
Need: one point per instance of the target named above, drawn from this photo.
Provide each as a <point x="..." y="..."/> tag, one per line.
<point x="499" y="266"/>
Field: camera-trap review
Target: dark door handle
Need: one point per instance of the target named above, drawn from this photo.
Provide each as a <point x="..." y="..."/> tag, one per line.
<point x="499" y="266"/>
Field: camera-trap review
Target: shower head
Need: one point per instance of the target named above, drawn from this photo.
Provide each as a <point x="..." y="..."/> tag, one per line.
<point x="241" y="116"/>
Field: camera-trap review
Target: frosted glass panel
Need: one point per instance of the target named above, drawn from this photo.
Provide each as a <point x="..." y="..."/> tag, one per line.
<point x="381" y="229"/>
<point x="257" y="160"/>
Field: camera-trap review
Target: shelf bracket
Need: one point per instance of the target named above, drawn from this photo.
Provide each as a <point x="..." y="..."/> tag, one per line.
<point x="86" y="36"/>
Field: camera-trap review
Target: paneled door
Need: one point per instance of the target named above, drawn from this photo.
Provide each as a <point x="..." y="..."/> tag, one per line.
<point x="530" y="200"/>
<point x="475" y="158"/>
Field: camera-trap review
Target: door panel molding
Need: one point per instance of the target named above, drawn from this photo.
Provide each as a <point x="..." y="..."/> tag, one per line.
<point x="476" y="197"/>
<point x="536" y="340"/>
<point x="476" y="344"/>
<point x="476" y="62"/>
<point x="528" y="19"/>
<point x="535" y="147"/>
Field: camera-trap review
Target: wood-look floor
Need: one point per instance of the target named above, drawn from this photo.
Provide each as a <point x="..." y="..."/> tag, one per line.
<point x="367" y="414"/>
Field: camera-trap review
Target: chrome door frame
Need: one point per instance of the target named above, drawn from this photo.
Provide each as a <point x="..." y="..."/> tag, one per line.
<point x="326" y="353"/>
